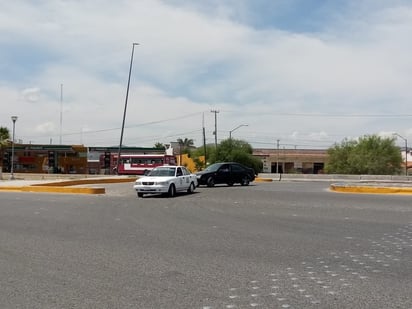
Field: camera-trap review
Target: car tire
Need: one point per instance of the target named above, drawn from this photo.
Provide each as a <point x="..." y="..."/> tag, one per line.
<point x="191" y="188"/>
<point x="230" y="184"/>
<point x="139" y="194"/>
<point x="172" y="190"/>
<point x="245" y="181"/>
<point x="210" y="182"/>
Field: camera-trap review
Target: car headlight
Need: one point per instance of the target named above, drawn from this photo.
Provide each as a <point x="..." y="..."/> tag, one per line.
<point x="138" y="183"/>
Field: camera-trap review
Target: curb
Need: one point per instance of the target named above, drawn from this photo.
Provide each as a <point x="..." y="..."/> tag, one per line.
<point x="66" y="183"/>
<point x="364" y="189"/>
<point x="257" y="179"/>
<point x="53" y="189"/>
<point x="65" y="186"/>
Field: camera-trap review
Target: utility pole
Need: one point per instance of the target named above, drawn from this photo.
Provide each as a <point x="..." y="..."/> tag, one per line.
<point x="277" y="157"/>
<point x="215" y="132"/>
<point x="204" y="138"/>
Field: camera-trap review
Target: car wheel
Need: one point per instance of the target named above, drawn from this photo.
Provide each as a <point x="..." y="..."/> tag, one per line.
<point x="139" y="194"/>
<point x="230" y="183"/>
<point x="210" y="182"/>
<point x="191" y="188"/>
<point x="245" y="181"/>
<point x="172" y="190"/>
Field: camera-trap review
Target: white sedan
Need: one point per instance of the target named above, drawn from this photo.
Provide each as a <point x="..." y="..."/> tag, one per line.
<point x="166" y="179"/>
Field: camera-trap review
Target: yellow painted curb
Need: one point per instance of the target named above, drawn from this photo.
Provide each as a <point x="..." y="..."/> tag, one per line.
<point x="66" y="186"/>
<point x="66" y="183"/>
<point x="53" y="189"/>
<point x="361" y="189"/>
<point x="263" y="179"/>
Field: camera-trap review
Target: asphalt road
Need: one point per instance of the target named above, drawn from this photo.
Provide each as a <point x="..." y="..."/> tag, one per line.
<point x="269" y="245"/>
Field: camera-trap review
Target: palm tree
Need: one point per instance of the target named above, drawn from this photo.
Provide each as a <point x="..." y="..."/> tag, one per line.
<point x="185" y="143"/>
<point x="159" y="145"/>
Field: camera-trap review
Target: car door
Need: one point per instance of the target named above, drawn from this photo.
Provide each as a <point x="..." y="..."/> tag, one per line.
<point x="186" y="178"/>
<point x="237" y="173"/>
<point x="180" y="179"/>
<point x="223" y="174"/>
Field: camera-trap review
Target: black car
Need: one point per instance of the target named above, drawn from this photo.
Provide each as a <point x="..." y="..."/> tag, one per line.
<point x="225" y="172"/>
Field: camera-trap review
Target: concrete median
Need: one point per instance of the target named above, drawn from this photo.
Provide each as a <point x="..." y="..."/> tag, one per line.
<point x="62" y="186"/>
<point x="392" y="188"/>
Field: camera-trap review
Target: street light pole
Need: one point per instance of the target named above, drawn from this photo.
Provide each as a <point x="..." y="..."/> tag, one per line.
<point x="14" y="119"/>
<point x="230" y="132"/>
<point x="125" y="108"/>
<point x="406" y="152"/>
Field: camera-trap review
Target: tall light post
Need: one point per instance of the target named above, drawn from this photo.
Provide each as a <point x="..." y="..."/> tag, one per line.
<point x="125" y="108"/>
<point x="406" y="152"/>
<point x="61" y="112"/>
<point x="14" y="119"/>
<point x="230" y="132"/>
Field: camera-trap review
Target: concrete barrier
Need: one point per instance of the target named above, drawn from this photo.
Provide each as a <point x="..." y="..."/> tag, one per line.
<point x="334" y="177"/>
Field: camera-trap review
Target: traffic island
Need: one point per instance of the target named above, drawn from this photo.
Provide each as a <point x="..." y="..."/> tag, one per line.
<point x="67" y="186"/>
<point x="372" y="188"/>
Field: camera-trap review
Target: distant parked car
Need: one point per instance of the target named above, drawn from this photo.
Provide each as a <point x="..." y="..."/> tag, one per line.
<point x="166" y="179"/>
<point x="226" y="173"/>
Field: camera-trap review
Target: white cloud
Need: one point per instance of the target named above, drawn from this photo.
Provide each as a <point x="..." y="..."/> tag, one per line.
<point x="47" y="127"/>
<point x="191" y="60"/>
<point x="31" y="94"/>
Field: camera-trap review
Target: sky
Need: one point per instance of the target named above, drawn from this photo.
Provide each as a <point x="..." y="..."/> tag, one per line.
<point x="304" y="74"/>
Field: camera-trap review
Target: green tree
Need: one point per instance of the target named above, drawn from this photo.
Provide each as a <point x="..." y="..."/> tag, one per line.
<point x="4" y="141"/>
<point x="369" y="155"/>
<point x="4" y="136"/>
<point x="234" y="150"/>
<point x="196" y="153"/>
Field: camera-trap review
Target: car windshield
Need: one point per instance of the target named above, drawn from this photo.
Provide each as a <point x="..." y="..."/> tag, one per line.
<point x="162" y="171"/>
<point x="213" y="167"/>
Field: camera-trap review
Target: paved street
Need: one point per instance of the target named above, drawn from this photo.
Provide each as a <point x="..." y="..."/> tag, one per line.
<point x="269" y="245"/>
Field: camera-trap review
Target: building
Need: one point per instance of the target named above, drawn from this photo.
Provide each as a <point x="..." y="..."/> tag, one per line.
<point x="305" y="161"/>
<point x="78" y="159"/>
<point x="32" y="158"/>
<point x="95" y="156"/>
